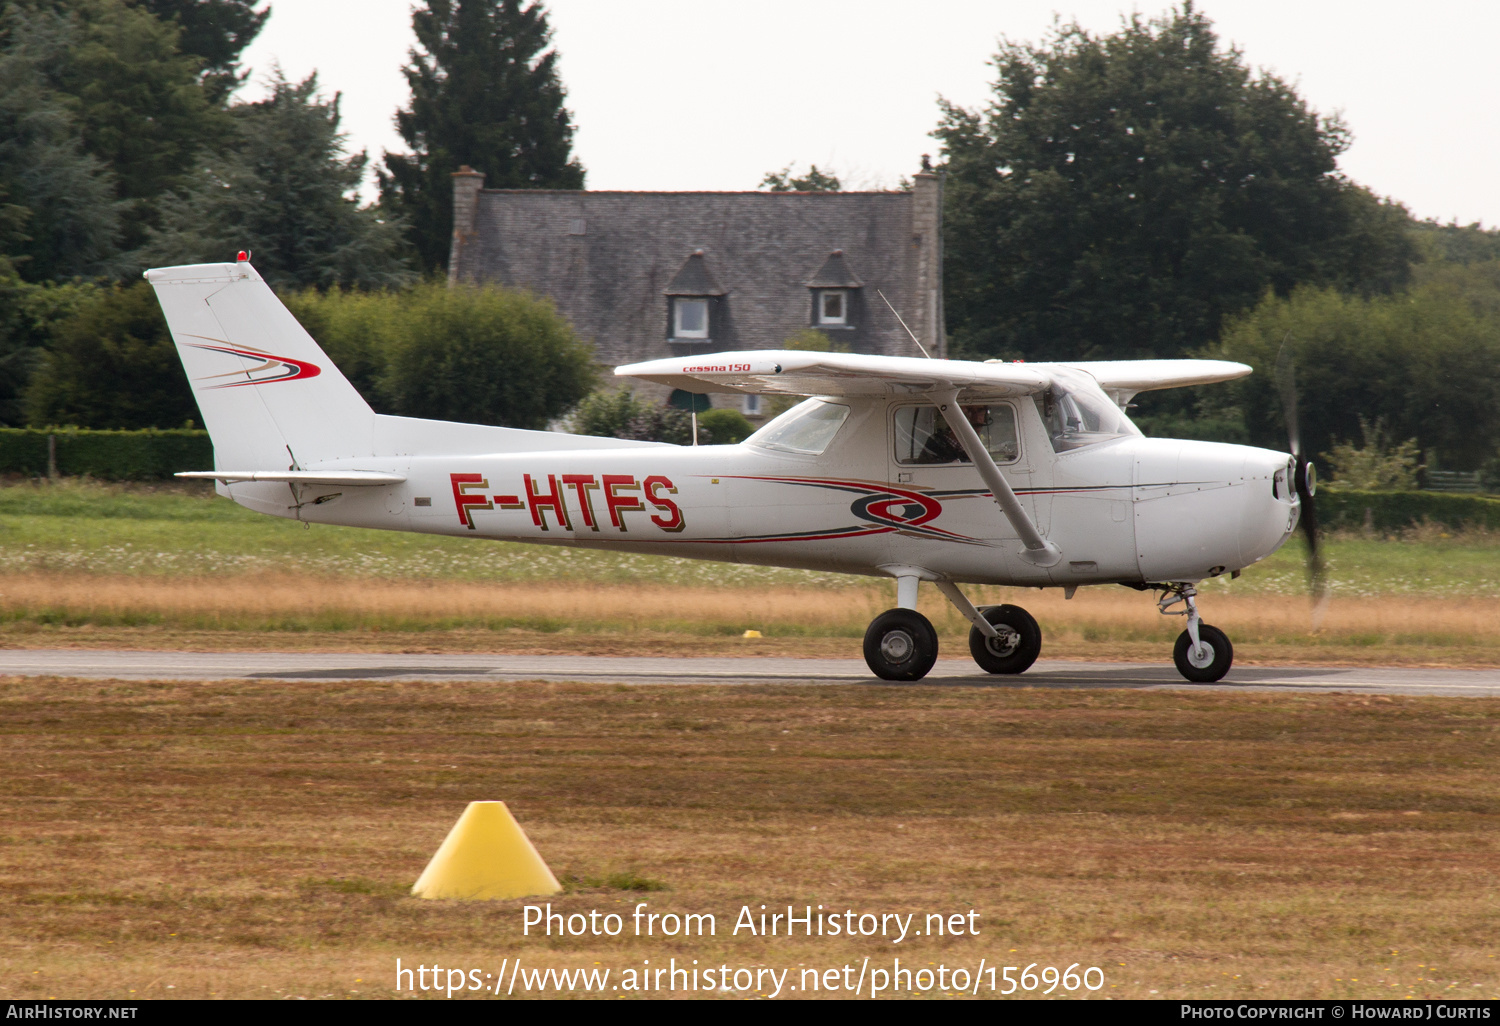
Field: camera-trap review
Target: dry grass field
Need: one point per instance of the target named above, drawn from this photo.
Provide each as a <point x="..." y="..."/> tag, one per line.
<point x="280" y="611"/>
<point x="257" y="840"/>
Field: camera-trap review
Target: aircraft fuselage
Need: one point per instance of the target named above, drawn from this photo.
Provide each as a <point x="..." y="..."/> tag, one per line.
<point x="1129" y="510"/>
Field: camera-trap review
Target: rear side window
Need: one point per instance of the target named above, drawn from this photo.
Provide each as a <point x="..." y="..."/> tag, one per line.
<point x="807" y="429"/>
<point x="924" y="437"/>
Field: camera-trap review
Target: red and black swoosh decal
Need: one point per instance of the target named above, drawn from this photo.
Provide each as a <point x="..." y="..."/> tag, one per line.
<point x="270" y="369"/>
<point x="883" y="509"/>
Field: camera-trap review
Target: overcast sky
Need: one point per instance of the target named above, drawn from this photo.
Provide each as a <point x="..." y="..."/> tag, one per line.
<point x="688" y="94"/>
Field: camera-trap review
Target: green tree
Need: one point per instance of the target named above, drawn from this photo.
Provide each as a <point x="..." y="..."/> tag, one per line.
<point x="30" y="315"/>
<point x="814" y="181"/>
<point x="17" y="357"/>
<point x="661" y="422"/>
<point x="215" y="31"/>
<point x="355" y="330"/>
<point x="1122" y="193"/>
<point x="608" y="414"/>
<point x="622" y="413"/>
<point x="137" y="103"/>
<point x="1475" y="286"/>
<point x="59" y="216"/>
<point x="482" y="355"/>
<point x="1459" y="244"/>
<point x="1379" y="465"/>
<point x="724" y="426"/>
<point x="112" y="364"/>
<point x="1425" y="363"/>
<point x="476" y="355"/>
<point x="100" y="113"/>
<point x="485" y="93"/>
<point x="286" y="192"/>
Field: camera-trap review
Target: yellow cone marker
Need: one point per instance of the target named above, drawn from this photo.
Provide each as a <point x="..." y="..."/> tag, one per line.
<point x="486" y="855"/>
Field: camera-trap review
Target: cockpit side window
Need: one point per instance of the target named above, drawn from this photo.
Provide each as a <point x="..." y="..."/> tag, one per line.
<point x="1078" y="413"/>
<point x="923" y="436"/>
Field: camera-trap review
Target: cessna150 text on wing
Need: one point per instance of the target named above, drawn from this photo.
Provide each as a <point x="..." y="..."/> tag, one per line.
<point x="947" y="471"/>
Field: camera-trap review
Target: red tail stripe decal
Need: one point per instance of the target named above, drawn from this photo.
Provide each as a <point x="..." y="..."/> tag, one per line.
<point x="292" y="370"/>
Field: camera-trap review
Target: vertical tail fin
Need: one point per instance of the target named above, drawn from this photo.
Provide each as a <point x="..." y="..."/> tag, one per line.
<point x="269" y="395"/>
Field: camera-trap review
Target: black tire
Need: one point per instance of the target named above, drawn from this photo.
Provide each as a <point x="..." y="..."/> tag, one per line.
<point x="901" y="645"/>
<point x="1019" y="644"/>
<point x="1204" y="670"/>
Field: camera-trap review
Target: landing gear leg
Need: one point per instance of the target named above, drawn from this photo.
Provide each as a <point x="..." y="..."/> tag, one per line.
<point x="1203" y="653"/>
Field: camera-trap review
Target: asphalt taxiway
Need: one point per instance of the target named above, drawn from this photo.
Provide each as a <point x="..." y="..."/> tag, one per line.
<point x="310" y="666"/>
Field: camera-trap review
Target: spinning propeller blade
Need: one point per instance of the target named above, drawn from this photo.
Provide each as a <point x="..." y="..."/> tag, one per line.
<point x="1306" y="481"/>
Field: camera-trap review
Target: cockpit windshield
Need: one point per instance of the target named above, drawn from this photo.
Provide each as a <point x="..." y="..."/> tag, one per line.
<point x="1078" y="413"/>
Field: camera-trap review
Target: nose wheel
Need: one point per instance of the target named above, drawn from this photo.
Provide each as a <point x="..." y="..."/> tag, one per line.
<point x="1203" y="653"/>
<point x="1206" y="662"/>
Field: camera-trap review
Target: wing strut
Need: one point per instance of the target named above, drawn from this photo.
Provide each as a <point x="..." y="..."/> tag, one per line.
<point x="1039" y="551"/>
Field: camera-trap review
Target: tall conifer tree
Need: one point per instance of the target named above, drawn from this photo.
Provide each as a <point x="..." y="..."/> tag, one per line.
<point x="215" y="31"/>
<point x="484" y="92"/>
<point x="286" y="191"/>
<point x="59" y="210"/>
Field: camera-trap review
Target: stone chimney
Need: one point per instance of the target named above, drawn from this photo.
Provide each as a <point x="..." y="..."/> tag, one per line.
<point x="466" y="185"/>
<point x="927" y="236"/>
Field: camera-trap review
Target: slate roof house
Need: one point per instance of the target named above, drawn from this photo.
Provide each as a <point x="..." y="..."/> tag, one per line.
<point x="651" y="274"/>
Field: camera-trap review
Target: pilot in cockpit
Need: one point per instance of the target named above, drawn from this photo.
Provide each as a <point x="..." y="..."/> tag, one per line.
<point x="943" y="446"/>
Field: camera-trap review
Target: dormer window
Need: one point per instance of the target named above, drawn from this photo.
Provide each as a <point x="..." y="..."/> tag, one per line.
<point x="833" y="307"/>
<point x="694" y="301"/>
<point x="835" y="293"/>
<point x="689" y="317"/>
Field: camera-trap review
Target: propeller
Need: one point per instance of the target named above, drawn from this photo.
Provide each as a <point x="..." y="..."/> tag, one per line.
<point x="1305" y="475"/>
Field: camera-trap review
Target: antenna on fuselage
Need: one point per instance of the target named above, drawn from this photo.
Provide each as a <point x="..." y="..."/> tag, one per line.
<point x="913" y="334"/>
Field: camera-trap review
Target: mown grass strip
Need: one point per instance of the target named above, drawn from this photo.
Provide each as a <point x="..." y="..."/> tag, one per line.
<point x="82" y="528"/>
<point x="244" y="839"/>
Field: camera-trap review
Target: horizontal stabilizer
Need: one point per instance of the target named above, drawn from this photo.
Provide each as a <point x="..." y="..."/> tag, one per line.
<point x="346" y="478"/>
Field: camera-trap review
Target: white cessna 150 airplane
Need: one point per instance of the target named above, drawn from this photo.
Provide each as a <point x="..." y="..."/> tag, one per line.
<point x="954" y="472"/>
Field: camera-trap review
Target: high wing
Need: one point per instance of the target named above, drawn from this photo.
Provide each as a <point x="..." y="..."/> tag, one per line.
<point x="1124" y="378"/>
<point x="787" y="372"/>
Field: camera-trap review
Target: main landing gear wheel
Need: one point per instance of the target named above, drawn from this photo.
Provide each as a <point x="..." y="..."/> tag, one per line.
<point x="1210" y="661"/>
<point x="901" y="645"/>
<point x="1017" y="643"/>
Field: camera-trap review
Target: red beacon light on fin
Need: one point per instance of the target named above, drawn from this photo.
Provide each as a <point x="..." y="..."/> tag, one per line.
<point x="244" y="256"/>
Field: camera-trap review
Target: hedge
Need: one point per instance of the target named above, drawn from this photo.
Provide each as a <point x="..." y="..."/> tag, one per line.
<point x="1393" y="511"/>
<point x="148" y="455"/>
